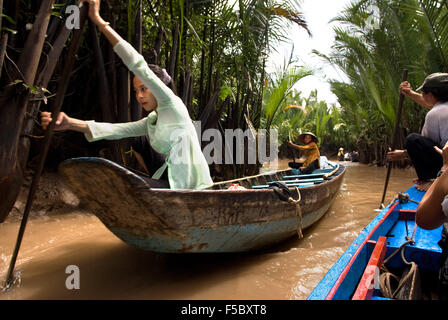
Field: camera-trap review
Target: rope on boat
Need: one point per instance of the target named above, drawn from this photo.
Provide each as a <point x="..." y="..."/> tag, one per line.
<point x="385" y="277"/>
<point x="298" y="211"/>
<point x="284" y="194"/>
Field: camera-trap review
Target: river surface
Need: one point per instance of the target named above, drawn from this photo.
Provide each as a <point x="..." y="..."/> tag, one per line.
<point x="110" y="269"/>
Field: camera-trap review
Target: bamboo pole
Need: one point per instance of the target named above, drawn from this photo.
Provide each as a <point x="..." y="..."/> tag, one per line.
<point x="394" y="138"/>
<point x="62" y="88"/>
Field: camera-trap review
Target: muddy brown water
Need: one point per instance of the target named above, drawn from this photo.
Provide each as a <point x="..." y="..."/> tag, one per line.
<point x="110" y="269"/>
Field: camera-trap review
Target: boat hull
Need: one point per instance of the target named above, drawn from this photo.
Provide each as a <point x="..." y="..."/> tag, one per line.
<point x="185" y="221"/>
<point x="396" y="223"/>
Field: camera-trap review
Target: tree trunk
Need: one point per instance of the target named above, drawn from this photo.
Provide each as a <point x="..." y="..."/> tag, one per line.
<point x="136" y="109"/>
<point x="173" y="55"/>
<point x="106" y="105"/>
<point x="42" y="80"/>
<point x="3" y="44"/>
<point x="1" y="12"/>
<point x="14" y="105"/>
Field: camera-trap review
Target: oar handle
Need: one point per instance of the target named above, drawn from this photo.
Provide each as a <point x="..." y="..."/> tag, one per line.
<point x="394" y="138"/>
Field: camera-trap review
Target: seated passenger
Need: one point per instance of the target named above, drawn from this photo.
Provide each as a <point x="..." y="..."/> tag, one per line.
<point x="420" y="147"/>
<point x="432" y="211"/>
<point x="311" y="151"/>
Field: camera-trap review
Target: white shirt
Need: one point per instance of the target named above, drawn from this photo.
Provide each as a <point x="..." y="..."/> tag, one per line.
<point x="436" y="124"/>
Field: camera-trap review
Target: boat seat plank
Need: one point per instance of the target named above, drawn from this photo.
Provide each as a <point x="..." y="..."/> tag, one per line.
<point x="305" y="176"/>
<point x="366" y="287"/>
<point x="288" y="182"/>
<point x="299" y="185"/>
<point x="425" y="252"/>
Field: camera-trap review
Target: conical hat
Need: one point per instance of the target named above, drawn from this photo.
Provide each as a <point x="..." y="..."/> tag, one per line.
<point x="309" y="133"/>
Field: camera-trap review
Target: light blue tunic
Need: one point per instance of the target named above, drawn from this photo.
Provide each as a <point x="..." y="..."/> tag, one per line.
<point x="170" y="129"/>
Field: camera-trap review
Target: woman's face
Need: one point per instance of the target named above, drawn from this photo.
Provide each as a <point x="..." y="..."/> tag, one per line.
<point x="144" y="96"/>
<point x="307" y="139"/>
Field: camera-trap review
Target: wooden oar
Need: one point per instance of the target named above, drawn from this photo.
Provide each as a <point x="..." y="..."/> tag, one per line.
<point x="292" y="149"/>
<point x="62" y="88"/>
<point x="394" y="138"/>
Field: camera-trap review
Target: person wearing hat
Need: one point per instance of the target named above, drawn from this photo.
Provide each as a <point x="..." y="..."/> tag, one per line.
<point x="311" y="151"/>
<point x="420" y="147"/>
<point x="341" y="154"/>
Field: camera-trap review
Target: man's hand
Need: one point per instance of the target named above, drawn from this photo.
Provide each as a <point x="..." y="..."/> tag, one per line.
<point x="406" y="89"/>
<point x="397" y="155"/>
<point x="444" y="153"/>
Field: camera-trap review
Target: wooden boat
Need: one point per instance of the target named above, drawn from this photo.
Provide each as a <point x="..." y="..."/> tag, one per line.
<point x="212" y="220"/>
<point x="391" y="240"/>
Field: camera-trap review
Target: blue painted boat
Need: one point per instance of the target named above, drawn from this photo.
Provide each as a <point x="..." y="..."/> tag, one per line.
<point x="394" y="241"/>
<point x="212" y="220"/>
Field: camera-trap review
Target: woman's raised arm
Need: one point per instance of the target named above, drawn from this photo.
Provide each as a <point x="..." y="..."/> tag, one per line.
<point x="103" y="26"/>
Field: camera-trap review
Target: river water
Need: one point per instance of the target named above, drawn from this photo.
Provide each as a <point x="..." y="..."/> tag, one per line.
<point x="110" y="269"/>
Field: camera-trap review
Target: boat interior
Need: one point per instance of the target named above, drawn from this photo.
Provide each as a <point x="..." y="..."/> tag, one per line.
<point x="290" y="177"/>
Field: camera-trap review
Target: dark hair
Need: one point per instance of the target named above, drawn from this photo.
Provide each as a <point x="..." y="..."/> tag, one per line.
<point x="441" y="94"/>
<point x="162" y="75"/>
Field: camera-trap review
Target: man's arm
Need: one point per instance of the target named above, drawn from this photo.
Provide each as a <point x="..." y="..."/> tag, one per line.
<point x="406" y="90"/>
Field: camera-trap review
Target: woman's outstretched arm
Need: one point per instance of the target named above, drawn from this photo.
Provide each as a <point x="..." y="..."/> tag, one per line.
<point x="64" y="122"/>
<point x="103" y="26"/>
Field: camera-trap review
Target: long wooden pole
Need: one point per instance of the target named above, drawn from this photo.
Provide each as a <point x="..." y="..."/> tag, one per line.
<point x="394" y="138"/>
<point x="62" y="88"/>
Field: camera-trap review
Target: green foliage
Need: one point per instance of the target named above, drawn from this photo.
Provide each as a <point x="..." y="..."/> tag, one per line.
<point x="407" y="34"/>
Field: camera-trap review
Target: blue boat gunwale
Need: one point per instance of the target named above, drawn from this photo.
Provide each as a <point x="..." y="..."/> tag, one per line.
<point x="366" y="239"/>
<point x="343" y="276"/>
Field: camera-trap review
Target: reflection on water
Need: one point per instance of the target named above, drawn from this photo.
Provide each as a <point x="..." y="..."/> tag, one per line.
<point x="109" y="269"/>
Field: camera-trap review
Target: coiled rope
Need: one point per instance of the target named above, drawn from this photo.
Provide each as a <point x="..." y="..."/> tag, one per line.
<point x="386" y="275"/>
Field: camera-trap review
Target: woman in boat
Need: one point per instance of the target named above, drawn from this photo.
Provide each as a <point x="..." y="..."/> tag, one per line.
<point x="169" y="127"/>
<point x="311" y="151"/>
<point x="420" y="147"/>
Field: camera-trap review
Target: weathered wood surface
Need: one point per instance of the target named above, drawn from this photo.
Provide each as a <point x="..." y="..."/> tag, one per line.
<point x="123" y="201"/>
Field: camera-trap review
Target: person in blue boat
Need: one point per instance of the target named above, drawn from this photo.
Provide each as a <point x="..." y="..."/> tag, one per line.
<point x="432" y="212"/>
<point x="420" y="147"/>
<point x="169" y="127"/>
<point x="311" y="151"/>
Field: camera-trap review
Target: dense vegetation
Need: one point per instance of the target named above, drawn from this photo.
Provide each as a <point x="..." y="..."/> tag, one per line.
<point x="378" y="39"/>
<point x="215" y="51"/>
<point x="375" y="41"/>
